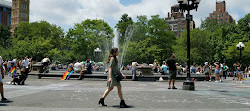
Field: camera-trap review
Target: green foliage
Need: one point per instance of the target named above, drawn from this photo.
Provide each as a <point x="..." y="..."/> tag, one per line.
<point x="149" y="41"/>
<point x="37" y="40"/>
<point x="123" y="25"/>
<point x="5" y="36"/>
<point x="200" y="47"/>
<point x="85" y="37"/>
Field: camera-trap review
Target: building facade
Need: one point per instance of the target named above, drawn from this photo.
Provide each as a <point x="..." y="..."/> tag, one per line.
<point x="20" y="13"/>
<point x="5" y="13"/>
<point x="221" y="15"/>
<point x="177" y="21"/>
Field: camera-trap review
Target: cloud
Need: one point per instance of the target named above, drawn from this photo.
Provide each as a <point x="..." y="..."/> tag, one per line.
<point x="65" y="13"/>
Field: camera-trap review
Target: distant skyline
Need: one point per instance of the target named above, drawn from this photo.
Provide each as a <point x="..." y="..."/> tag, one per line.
<point x="65" y="13"/>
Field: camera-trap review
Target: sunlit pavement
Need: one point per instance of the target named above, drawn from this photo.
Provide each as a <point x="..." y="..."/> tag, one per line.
<point x="52" y="94"/>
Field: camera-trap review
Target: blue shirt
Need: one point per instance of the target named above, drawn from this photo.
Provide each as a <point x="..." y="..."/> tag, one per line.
<point x="164" y="68"/>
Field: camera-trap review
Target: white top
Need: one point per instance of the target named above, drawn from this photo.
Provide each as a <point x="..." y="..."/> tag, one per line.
<point x="45" y="60"/>
<point x="26" y="63"/>
<point x="14" y="61"/>
<point x="134" y="64"/>
<point x="77" y="66"/>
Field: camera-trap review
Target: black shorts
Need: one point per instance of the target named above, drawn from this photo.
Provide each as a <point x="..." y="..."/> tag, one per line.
<point x="45" y="63"/>
<point x="172" y="75"/>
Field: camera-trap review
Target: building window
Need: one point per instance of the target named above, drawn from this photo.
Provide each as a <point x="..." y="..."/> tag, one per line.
<point x="9" y="20"/>
<point x="225" y="19"/>
<point x="221" y="19"/>
<point x="24" y="15"/>
<point x="24" y="6"/>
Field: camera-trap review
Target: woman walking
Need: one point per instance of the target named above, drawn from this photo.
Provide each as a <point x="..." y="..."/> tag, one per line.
<point x="112" y="81"/>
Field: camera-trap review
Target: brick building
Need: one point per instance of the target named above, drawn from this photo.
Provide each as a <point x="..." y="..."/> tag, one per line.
<point x="221" y="15"/>
<point x="177" y="21"/>
<point x="20" y="13"/>
<point x="5" y="13"/>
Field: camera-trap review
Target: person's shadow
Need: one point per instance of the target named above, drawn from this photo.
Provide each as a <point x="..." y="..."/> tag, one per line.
<point x="118" y="107"/>
<point x="4" y="103"/>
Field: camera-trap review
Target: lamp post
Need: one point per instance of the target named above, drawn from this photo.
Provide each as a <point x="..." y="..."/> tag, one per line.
<point x="188" y="5"/>
<point x="240" y="46"/>
<point x="97" y="50"/>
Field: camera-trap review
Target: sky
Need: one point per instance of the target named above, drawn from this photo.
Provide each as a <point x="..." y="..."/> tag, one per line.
<point x="65" y="13"/>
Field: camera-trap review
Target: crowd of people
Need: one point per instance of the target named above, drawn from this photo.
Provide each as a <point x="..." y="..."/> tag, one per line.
<point x="21" y="68"/>
<point x="221" y="70"/>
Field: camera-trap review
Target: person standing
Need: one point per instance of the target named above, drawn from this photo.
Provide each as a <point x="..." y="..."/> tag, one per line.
<point x="206" y="71"/>
<point x="155" y="68"/>
<point x="248" y="72"/>
<point x="89" y="67"/>
<point x="235" y="68"/>
<point x="238" y="72"/>
<point x="210" y="72"/>
<point x="172" y="71"/>
<point x="224" y="69"/>
<point x="217" y="71"/>
<point x="1" y="79"/>
<point x="14" y="61"/>
<point x="134" y="68"/>
<point x="112" y="81"/>
<point x="25" y="69"/>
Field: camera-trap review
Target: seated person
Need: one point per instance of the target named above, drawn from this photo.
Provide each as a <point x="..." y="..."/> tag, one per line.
<point x="77" y="67"/>
<point x="46" y="62"/>
<point x="86" y="70"/>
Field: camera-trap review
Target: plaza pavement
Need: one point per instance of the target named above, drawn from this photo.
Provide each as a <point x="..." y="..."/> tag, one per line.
<point x="52" y="94"/>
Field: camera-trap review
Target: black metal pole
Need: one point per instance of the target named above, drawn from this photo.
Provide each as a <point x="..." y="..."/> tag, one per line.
<point x="188" y="46"/>
<point x="188" y="84"/>
<point x="240" y="53"/>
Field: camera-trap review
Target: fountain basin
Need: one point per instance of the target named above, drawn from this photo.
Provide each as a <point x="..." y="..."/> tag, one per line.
<point x="145" y="70"/>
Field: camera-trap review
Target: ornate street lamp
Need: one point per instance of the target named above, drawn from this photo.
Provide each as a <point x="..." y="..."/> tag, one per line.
<point x="240" y="46"/>
<point x="97" y="50"/>
<point x="187" y="5"/>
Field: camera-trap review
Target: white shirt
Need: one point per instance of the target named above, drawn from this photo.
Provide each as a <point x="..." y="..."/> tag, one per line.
<point x="26" y="63"/>
<point x="77" y="66"/>
<point x="14" y="61"/>
<point x="45" y="60"/>
<point x="134" y="64"/>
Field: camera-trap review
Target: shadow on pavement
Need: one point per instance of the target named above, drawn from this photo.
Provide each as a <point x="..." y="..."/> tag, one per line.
<point x="8" y="101"/>
<point x="3" y="105"/>
<point x="118" y="106"/>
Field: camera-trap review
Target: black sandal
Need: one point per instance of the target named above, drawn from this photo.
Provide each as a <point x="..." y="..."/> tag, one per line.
<point x="174" y="87"/>
<point x="169" y="87"/>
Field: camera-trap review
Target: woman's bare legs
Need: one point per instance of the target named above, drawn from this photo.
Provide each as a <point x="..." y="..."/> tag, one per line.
<point x="1" y="90"/>
<point x="119" y="88"/>
<point x="107" y="92"/>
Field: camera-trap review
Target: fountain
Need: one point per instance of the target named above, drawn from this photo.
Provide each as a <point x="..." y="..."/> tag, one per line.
<point x="145" y="69"/>
<point x="116" y="39"/>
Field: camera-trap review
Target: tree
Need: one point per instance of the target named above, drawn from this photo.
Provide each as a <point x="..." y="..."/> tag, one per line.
<point x="5" y="36"/>
<point x="150" y="40"/>
<point x="200" y="47"/>
<point x="38" y="40"/>
<point x="123" y="26"/>
<point x="85" y="37"/>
